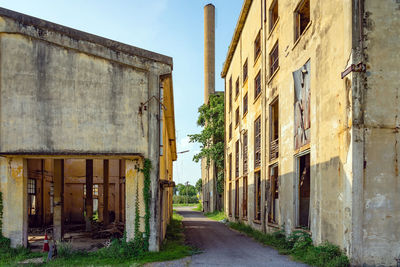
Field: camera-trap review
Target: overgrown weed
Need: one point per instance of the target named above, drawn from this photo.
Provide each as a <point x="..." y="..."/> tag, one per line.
<point x="299" y="246"/>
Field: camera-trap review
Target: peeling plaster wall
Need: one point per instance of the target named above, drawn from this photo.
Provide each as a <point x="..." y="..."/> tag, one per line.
<point x="63" y="96"/>
<point x="66" y="92"/>
<point x="381" y="210"/>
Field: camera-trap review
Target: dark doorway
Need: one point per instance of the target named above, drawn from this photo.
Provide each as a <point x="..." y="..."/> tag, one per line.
<point x="304" y="191"/>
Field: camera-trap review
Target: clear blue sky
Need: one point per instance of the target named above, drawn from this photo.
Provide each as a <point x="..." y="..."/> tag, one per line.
<point x="170" y="27"/>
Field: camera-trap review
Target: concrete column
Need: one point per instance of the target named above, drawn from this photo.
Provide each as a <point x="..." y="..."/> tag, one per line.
<point x="14" y="187"/>
<point x="89" y="194"/>
<point x="58" y="199"/>
<point x="209" y="51"/>
<point x="106" y="219"/>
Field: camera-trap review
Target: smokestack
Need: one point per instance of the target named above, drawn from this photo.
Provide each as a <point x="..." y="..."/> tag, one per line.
<point x="209" y="51"/>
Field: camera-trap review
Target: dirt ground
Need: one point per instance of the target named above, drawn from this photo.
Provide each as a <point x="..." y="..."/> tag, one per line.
<point x="222" y="246"/>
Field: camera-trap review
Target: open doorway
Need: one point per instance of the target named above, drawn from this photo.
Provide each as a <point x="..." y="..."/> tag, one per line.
<point x="104" y="205"/>
<point x="274" y="194"/>
<point x="303" y="199"/>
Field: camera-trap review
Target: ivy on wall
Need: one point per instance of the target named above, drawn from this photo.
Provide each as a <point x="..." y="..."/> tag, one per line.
<point x="1" y="214"/>
<point x="141" y="240"/>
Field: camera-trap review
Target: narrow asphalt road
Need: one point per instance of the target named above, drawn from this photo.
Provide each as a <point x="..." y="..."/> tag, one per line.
<point x="222" y="246"/>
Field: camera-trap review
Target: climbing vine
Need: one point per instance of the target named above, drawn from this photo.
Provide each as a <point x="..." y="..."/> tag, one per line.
<point x="141" y="240"/>
<point x="146" y="196"/>
<point x="1" y="214"/>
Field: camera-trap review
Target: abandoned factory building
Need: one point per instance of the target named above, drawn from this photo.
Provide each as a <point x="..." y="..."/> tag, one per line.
<point x="81" y="119"/>
<point x="312" y="119"/>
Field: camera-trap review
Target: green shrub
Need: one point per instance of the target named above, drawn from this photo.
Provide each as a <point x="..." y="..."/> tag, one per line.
<point x="185" y="199"/>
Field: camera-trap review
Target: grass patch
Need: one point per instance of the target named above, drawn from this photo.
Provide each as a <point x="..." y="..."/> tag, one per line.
<point x="185" y="205"/>
<point x="216" y="215"/>
<point x="299" y="246"/>
<point x="11" y="256"/>
<point x="119" y="253"/>
<point x="199" y="207"/>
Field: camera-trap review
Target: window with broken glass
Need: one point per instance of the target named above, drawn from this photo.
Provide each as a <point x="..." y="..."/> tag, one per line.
<point x="245" y="165"/>
<point x="237" y="159"/>
<point x="302" y="18"/>
<point x="257" y="85"/>
<point x="245" y="104"/>
<point x="274" y="59"/>
<point x="31" y="196"/>
<point x="257" y="142"/>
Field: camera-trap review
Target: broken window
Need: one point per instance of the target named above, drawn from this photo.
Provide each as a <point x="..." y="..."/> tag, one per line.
<point x="273" y="198"/>
<point x="257" y="85"/>
<point x="257" y="46"/>
<point x="245" y="105"/>
<point x="244" y="197"/>
<point x="230" y="93"/>
<point x="230" y="199"/>
<point x="31" y="196"/>
<point x="237" y="117"/>
<point x="257" y="196"/>
<point x="273" y="15"/>
<point x="237" y="86"/>
<point x="244" y="151"/>
<point x="257" y="142"/>
<point x="237" y="159"/>
<point x="274" y="59"/>
<point x="274" y="130"/>
<point x="302" y="123"/>
<point x="230" y="167"/>
<point x="237" y="198"/>
<point x="302" y="18"/>
<point x="304" y="191"/>
<point x="245" y="71"/>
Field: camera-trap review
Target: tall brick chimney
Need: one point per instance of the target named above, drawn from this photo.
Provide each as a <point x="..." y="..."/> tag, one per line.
<point x="209" y="51"/>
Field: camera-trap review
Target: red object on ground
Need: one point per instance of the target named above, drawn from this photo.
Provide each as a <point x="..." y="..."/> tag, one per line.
<point x="46" y="243"/>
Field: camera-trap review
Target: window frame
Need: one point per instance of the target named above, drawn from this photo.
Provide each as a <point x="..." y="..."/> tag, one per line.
<point x="257" y="85"/>
<point x="272" y="21"/>
<point x="245" y="104"/>
<point x="237" y="87"/>
<point x="274" y="62"/>
<point x="257" y="196"/>
<point x="298" y="30"/>
<point x="245" y="152"/>
<point x="245" y="71"/>
<point x="237" y="174"/>
<point x="237" y="117"/>
<point x="257" y="46"/>
<point x="257" y="142"/>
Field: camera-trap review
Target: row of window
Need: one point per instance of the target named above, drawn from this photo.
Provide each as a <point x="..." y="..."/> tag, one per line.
<point x="272" y="185"/>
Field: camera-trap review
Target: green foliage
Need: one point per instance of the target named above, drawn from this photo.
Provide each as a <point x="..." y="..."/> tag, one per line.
<point x="299" y="246"/>
<point x="1" y="214"/>
<point x="199" y="207"/>
<point x="185" y="199"/>
<point x="147" y="196"/>
<point x="216" y="215"/>
<point x="186" y="190"/>
<point x="211" y="138"/>
<point x="199" y="186"/>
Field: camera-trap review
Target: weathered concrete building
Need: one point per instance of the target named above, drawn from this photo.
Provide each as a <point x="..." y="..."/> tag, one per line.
<point x="311" y="93"/>
<point x="79" y="117"/>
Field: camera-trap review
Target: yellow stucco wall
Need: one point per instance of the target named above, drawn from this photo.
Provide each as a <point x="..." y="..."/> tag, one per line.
<point x="353" y="145"/>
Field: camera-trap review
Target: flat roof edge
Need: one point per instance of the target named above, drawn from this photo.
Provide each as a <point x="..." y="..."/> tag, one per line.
<point x="80" y="35"/>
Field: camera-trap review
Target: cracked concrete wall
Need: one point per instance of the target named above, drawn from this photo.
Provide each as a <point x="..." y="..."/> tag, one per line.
<point x="66" y="92"/>
<point x="381" y="106"/>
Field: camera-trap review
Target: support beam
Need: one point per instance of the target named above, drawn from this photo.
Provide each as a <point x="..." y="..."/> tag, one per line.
<point x="14" y="187"/>
<point x="58" y="200"/>
<point x="89" y="194"/>
<point x="106" y="219"/>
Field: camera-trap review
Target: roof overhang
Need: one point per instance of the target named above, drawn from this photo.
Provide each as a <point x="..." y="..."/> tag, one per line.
<point x="236" y="36"/>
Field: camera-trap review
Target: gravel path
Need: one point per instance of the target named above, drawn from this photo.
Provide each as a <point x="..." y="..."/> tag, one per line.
<point x="222" y="246"/>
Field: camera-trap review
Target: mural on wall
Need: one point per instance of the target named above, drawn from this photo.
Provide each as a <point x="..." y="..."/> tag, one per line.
<point x="301" y="78"/>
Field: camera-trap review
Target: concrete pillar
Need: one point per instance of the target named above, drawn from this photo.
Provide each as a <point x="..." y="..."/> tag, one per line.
<point x="133" y="179"/>
<point x="209" y="51"/>
<point x="58" y="199"/>
<point x="106" y="219"/>
<point x="14" y="187"/>
<point x="89" y="194"/>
